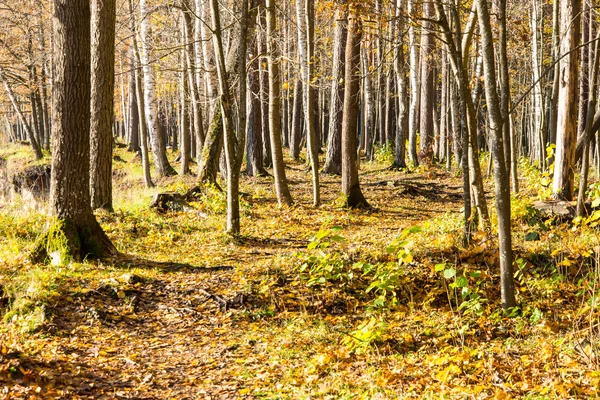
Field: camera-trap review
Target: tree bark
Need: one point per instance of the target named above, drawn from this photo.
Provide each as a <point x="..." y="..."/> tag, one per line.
<point x="102" y="102"/>
<point x="427" y="101"/>
<point x="414" y="86"/>
<point x="254" y="146"/>
<point x="566" y="134"/>
<point x="333" y="159"/>
<point x="74" y="233"/>
<point x="28" y="131"/>
<point x="501" y="179"/>
<point x="311" y="133"/>
<point x="402" y="83"/>
<point x="140" y="100"/>
<point x="281" y="185"/>
<point x="184" y="92"/>
<point x="157" y="140"/>
<point x="350" y="182"/>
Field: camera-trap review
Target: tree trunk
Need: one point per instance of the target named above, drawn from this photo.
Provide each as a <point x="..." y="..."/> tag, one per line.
<point x="140" y="101"/>
<point x="192" y="60"/>
<point x="184" y="122"/>
<point x="254" y="146"/>
<point x="333" y="159"/>
<point x="500" y="171"/>
<point x="414" y="86"/>
<point x="134" y="117"/>
<point x="401" y="82"/>
<point x="296" y="132"/>
<point x="28" y="131"/>
<point x="311" y="133"/>
<point x="74" y="233"/>
<point x="233" y="152"/>
<point x="350" y="182"/>
<point x="159" y="151"/>
<point x="281" y="185"/>
<point x="102" y="102"/>
<point x="264" y="94"/>
<point x="566" y="133"/>
<point x="427" y="89"/>
<point x="588" y="129"/>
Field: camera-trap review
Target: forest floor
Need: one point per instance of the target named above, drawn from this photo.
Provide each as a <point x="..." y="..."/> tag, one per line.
<point x="309" y="303"/>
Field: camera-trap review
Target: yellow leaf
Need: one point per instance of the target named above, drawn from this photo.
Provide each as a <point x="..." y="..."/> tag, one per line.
<point x="448" y="373"/>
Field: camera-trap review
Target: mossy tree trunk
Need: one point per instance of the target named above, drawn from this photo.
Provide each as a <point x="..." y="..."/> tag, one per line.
<point x="74" y="231"/>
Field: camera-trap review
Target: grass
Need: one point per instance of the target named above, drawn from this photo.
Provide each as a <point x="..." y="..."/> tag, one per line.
<point x="431" y="327"/>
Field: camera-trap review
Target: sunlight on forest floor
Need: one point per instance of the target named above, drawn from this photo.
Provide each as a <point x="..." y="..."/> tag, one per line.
<point x="323" y="303"/>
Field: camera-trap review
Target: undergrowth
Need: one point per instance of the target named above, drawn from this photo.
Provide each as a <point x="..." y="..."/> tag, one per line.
<point x="324" y="302"/>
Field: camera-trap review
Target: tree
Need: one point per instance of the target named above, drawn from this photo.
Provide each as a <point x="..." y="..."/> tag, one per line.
<point x="234" y="145"/>
<point x="501" y="175"/>
<point x="254" y="143"/>
<point x="333" y="159"/>
<point x="281" y="185"/>
<point x="350" y="182"/>
<point x="35" y="145"/>
<point x="563" y="185"/>
<point x="74" y="232"/>
<point x="102" y="102"/>
<point x="143" y="127"/>
<point x="427" y="100"/>
<point x="184" y="121"/>
<point x="308" y="68"/>
<point x="414" y="86"/>
<point x="157" y="140"/>
<point x="401" y="82"/>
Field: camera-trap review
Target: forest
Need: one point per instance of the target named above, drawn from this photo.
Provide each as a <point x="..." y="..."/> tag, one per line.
<point x="299" y="199"/>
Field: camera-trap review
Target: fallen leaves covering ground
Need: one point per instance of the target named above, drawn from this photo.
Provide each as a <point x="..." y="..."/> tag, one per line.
<point x="254" y="328"/>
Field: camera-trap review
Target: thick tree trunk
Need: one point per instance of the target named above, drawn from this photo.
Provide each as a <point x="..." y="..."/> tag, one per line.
<point x="102" y="102"/>
<point x="211" y="151"/>
<point x="350" y="182"/>
<point x="75" y="233"/>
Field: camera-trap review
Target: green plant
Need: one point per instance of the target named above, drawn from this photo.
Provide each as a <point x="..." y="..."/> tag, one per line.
<point x="465" y="288"/>
<point x="368" y="334"/>
<point x="389" y="277"/>
<point x="384" y="154"/>
<point x="320" y="267"/>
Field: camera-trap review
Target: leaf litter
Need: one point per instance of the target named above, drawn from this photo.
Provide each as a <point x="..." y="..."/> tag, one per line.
<point x="264" y="329"/>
